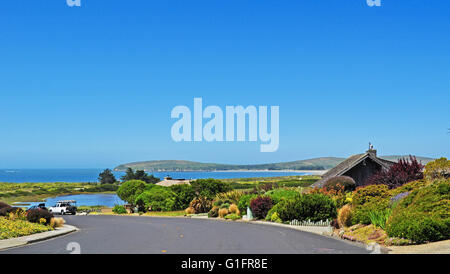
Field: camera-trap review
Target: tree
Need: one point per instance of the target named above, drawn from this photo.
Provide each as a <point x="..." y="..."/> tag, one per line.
<point x="107" y="177"/>
<point x="208" y="188"/>
<point x="129" y="190"/>
<point x="129" y="175"/>
<point x="400" y="173"/>
<point x="139" y="175"/>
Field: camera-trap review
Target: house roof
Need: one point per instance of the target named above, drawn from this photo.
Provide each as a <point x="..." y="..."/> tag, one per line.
<point x="349" y="163"/>
<point x="168" y="183"/>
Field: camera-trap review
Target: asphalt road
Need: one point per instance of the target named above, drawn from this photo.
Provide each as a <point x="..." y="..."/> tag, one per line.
<point x="143" y="235"/>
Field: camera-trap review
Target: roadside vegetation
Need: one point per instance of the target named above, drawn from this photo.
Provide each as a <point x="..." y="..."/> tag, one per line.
<point x="15" y="222"/>
<point x="408" y="204"/>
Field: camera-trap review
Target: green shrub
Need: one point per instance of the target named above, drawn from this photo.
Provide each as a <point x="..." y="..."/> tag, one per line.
<point x="361" y="213"/>
<point x="315" y="207"/>
<point x="232" y="217"/>
<point x="424" y="215"/>
<point x="158" y="198"/>
<point x="408" y="187"/>
<point x="275" y="218"/>
<point x="185" y="194"/>
<point x="225" y="205"/>
<point x="119" y="209"/>
<point x="244" y="202"/>
<point x="282" y="193"/>
<point x="379" y="217"/>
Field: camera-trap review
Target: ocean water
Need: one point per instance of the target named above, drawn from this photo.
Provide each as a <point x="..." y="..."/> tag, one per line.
<point x="91" y="175"/>
<point x="109" y="200"/>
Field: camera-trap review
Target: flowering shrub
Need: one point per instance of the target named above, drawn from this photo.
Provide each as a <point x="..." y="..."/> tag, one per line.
<point x="260" y="206"/>
<point x="399" y="174"/>
<point x="337" y="195"/>
<point x="366" y="194"/>
<point x="340" y="183"/>
<point x="18" y="228"/>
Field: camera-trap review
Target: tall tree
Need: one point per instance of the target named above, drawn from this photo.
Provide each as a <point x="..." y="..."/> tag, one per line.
<point x="129" y="175"/>
<point x="106" y="177"/>
<point x="139" y="175"/>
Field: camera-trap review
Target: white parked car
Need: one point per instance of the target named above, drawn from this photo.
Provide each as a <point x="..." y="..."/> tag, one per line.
<point x="64" y="207"/>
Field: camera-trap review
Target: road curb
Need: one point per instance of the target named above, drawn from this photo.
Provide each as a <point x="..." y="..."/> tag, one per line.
<point x="21" y="241"/>
<point x="376" y="249"/>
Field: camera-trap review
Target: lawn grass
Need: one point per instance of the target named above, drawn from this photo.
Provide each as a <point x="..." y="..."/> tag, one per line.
<point x="285" y="181"/>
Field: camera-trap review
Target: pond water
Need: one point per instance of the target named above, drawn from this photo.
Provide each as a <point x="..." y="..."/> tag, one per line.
<point x="109" y="200"/>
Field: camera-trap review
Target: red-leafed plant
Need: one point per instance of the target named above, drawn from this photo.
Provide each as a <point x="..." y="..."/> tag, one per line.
<point x="260" y="206"/>
<point x="400" y="173"/>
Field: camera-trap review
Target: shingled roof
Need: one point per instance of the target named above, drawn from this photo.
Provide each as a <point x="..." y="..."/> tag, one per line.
<point x="351" y="162"/>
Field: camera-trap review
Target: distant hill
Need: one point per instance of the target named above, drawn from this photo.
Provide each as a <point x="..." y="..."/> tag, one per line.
<point x="176" y="165"/>
<point x="323" y="163"/>
<point x="395" y="158"/>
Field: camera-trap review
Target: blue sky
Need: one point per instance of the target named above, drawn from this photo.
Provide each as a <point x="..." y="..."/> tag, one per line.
<point x="93" y="86"/>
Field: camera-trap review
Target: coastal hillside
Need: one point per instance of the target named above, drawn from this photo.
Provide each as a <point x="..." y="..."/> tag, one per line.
<point x="176" y="165"/>
<point x="323" y="163"/>
<point x="395" y="158"/>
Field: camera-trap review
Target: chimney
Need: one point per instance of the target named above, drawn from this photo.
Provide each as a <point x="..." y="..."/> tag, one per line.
<point x="372" y="151"/>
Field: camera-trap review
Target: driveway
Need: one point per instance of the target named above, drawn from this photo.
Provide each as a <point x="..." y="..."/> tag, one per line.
<point x="144" y="235"/>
